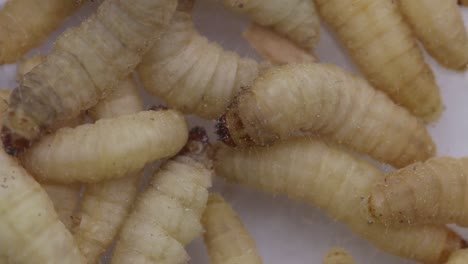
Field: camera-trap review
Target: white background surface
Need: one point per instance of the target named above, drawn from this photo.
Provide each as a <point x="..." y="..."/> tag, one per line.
<point x="286" y="231"/>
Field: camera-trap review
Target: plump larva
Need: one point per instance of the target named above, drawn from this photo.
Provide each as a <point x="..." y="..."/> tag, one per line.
<point x="65" y="199"/>
<point x="338" y="256"/>
<point x="110" y="148"/>
<point x="440" y="27"/>
<point x="458" y="257"/>
<point x="337" y="183"/>
<point x="85" y="65"/>
<point x="192" y="74"/>
<point x="296" y="19"/>
<point x="30" y="230"/>
<point x="383" y="46"/>
<point x="430" y="192"/>
<point x="166" y="216"/>
<point x="226" y="239"/>
<point x="311" y="99"/>
<point x="25" y="24"/>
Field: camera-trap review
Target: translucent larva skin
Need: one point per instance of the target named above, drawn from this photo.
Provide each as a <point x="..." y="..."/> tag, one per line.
<point x="192" y="74"/>
<point x="331" y="103"/>
<point x="382" y="45"/>
<point x="108" y="149"/>
<point x="337" y="183"/>
<point x="167" y="215"/>
<point x="226" y="239"/>
<point x="25" y="24"/>
<point x="30" y="230"/>
<point x="429" y="192"/>
<point x="458" y="257"/>
<point x="338" y="256"/>
<point x="296" y="19"/>
<point x="86" y="63"/>
<point x="65" y="199"/>
<point x="439" y="26"/>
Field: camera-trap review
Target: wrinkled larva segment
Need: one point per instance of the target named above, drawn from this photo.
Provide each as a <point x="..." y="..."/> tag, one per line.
<point x="65" y="198"/>
<point x="440" y="27"/>
<point x="110" y="148"/>
<point x="226" y="238"/>
<point x="332" y="103"/>
<point x="296" y="19"/>
<point x="383" y="46"/>
<point x="192" y="74"/>
<point x="431" y="192"/>
<point x="458" y="257"/>
<point x="339" y="184"/>
<point x="338" y="256"/>
<point x="85" y="65"/>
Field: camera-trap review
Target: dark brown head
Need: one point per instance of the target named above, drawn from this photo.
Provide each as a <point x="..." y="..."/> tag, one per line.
<point x="13" y="143"/>
<point x="222" y="131"/>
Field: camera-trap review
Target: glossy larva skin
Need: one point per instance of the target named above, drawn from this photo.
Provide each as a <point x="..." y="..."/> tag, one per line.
<point x="65" y="198"/>
<point x="440" y="27"/>
<point x="30" y="230"/>
<point x="338" y="256"/>
<point x="324" y="100"/>
<point x="296" y="19"/>
<point x="192" y="74"/>
<point x="85" y="65"/>
<point x="226" y="238"/>
<point x="25" y="24"/>
<point x="337" y="183"/>
<point x="382" y="45"/>
<point x="167" y="215"/>
<point x="108" y="149"/>
<point x="458" y="257"/>
<point x="429" y="192"/>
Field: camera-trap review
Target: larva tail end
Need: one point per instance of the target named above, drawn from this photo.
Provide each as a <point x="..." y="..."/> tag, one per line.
<point x="223" y="133"/>
<point x="453" y="243"/>
<point x="12" y="143"/>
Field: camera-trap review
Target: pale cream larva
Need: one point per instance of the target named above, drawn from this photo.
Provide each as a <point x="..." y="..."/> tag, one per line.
<point x="338" y="256"/>
<point x="440" y="27"/>
<point x="110" y="148"/>
<point x="318" y="99"/>
<point x="383" y="46"/>
<point x="458" y="257"/>
<point x="85" y="65"/>
<point x="339" y="184"/>
<point x="166" y="216"/>
<point x="192" y="74"/>
<point x="226" y="238"/>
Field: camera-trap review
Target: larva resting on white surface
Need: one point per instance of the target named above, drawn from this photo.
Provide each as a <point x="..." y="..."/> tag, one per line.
<point x="226" y="239"/>
<point x="108" y="149"/>
<point x="430" y="192"/>
<point x="66" y="200"/>
<point x="382" y="45"/>
<point x="458" y="257"/>
<point x="330" y="103"/>
<point x="106" y="205"/>
<point x="337" y="183"/>
<point x="167" y="215"/>
<point x="296" y="19"/>
<point x="440" y="27"/>
<point x="192" y="74"/>
<point x="25" y="24"/>
<point x="85" y="65"/>
<point x="338" y="256"/>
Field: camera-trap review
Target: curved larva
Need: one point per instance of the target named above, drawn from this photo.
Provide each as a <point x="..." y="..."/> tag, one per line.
<point x="382" y="45"/>
<point x="296" y="19"/>
<point x="440" y="27"/>
<point x="166" y="216"/>
<point x="30" y="230"/>
<point x="85" y="65"/>
<point x="226" y="239"/>
<point x="458" y="257"/>
<point x="338" y="256"/>
<point x="429" y="192"/>
<point x="337" y="183"/>
<point x="192" y="74"/>
<point x="25" y="24"/>
<point x="110" y="148"/>
<point x="65" y="199"/>
<point x="310" y="99"/>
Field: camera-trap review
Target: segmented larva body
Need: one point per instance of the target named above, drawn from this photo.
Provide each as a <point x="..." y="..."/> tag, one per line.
<point x="167" y="215"/>
<point x="87" y="62"/>
<point x="382" y="45"/>
<point x="296" y="19"/>
<point x="30" y="230"/>
<point x="226" y="239"/>
<point x="429" y="192"/>
<point x="106" y="205"/>
<point x="192" y="74"/>
<point x="440" y="27"/>
<point x="25" y="24"/>
<point x="310" y="99"/>
<point x="338" y="256"/>
<point x="458" y="257"/>
<point x="66" y="200"/>
<point x="337" y="183"/>
<point x="108" y="149"/>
